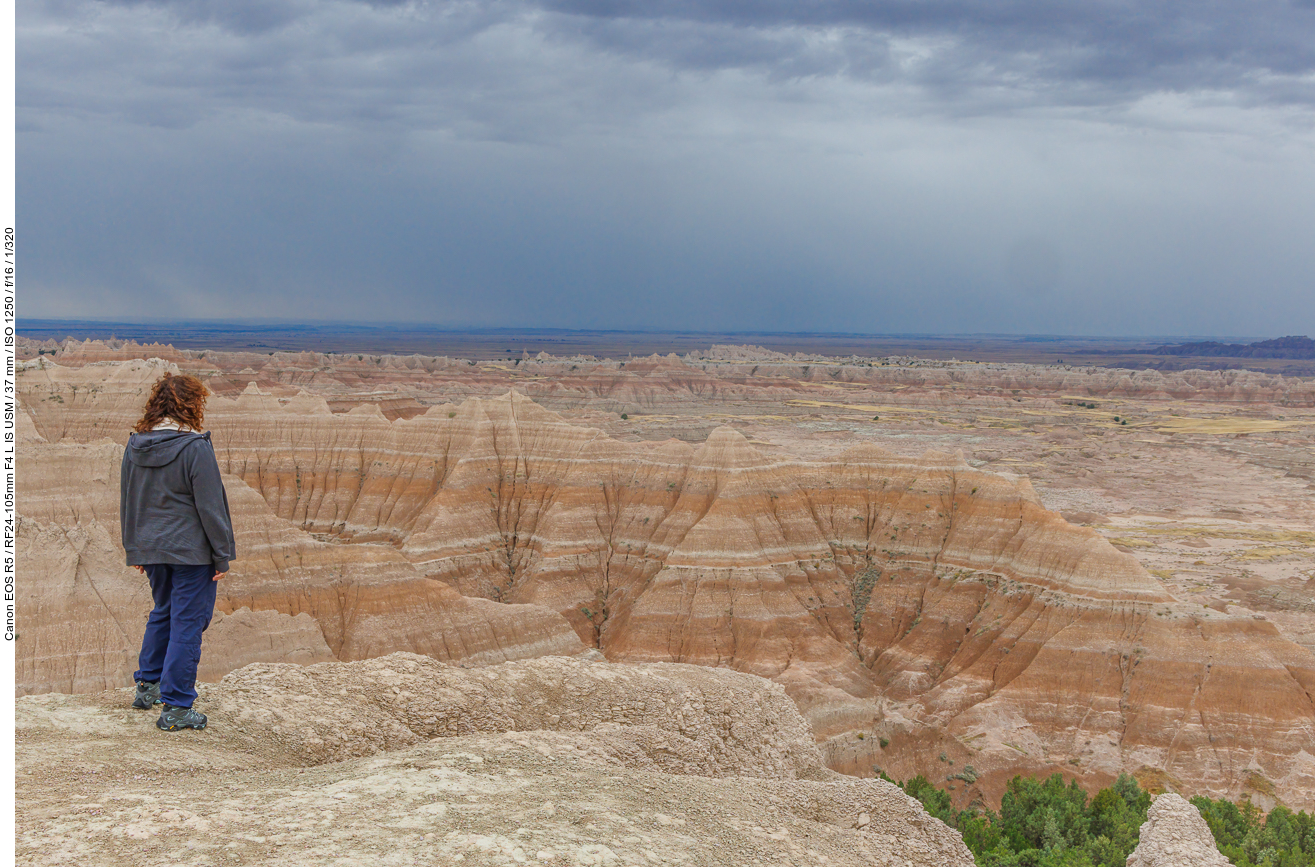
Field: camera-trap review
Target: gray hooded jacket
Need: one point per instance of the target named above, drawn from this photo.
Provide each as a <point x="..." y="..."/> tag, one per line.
<point x="172" y="504"/>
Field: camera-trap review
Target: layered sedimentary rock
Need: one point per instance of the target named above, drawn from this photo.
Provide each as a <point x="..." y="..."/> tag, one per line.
<point x="404" y="760"/>
<point x="291" y="598"/>
<point x="927" y="617"/>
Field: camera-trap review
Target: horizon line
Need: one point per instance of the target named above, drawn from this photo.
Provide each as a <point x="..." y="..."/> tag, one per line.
<point x="49" y="323"/>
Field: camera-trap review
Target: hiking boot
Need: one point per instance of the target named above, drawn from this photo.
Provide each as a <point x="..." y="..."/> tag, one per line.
<point x="148" y="695"/>
<point x="175" y="718"/>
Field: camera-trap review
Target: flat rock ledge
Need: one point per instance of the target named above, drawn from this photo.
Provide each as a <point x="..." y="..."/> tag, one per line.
<point x="1175" y="835"/>
<point x="403" y="760"/>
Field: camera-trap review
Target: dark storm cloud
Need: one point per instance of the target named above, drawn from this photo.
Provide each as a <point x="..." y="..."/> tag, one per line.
<point x="1054" y="51"/>
<point x="417" y="64"/>
<point x="888" y="166"/>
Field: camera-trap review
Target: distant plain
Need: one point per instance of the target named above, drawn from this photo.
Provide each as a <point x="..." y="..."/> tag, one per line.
<point x="491" y="343"/>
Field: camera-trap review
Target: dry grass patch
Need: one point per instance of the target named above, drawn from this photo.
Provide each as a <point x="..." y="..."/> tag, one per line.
<point x="1265" y="553"/>
<point x="1297" y="538"/>
<point x="857" y="407"/>
<point x="1223" y="426"/>
<point x="1128" y="542"/>
<point x="1157" y="781"/>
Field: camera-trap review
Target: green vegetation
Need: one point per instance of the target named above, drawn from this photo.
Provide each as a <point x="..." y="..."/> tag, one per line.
<point x="1045" y="823"/>
<point x="1249" y="838"/>
<point x="625" y="417"/>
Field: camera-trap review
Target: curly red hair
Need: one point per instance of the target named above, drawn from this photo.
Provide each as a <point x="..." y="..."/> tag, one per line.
<point x="178" y="397"/>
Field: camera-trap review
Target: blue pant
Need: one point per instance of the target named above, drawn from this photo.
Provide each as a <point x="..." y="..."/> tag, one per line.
<point x="171" y="647"/>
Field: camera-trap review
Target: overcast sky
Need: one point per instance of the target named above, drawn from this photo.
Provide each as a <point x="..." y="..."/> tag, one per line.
<point x="1017" y="166"/>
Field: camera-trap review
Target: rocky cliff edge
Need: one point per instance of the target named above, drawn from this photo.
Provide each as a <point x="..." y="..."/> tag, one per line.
<point x="405" y="760"/>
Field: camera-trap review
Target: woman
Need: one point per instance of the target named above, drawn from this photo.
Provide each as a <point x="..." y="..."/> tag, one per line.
<point x="173" y="512"/>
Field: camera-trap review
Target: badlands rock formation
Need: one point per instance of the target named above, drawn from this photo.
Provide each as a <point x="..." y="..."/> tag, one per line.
<point x="1174" y="834"/>
<point x="293" y="598"/>
<point x="660" y="382"/>
<point x="404" y="760"/>
<point x="924" y="615"/>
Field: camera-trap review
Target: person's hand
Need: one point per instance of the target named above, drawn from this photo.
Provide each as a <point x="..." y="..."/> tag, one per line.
<point x="218" y="575"/>
<point x="141" y="569"/>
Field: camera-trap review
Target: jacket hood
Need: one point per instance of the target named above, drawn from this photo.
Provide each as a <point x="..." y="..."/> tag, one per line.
<point x="160" y="447"/>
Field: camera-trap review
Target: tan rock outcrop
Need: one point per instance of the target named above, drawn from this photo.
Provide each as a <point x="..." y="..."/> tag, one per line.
<point x="1174" y="834"/>
<point x="405" y="760"/>
<point x="689" y="720"/>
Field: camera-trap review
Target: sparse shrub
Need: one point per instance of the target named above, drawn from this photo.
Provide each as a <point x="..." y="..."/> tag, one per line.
<point x="861" y="594"/>
<point x="968" y="775"/>
<point x="625" y="416"/>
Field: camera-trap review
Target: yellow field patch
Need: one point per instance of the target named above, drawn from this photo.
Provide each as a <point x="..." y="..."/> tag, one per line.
<point x="1224" y="426"/>
<point x="1065" y="410"/>
<point x="1265" y="553"/>
<point x="857" y="407"/>
<point x="1274" y="537"/>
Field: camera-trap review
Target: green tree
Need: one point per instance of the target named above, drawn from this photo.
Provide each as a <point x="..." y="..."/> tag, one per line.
<point x="935" y="801"/>
<point x="1028" y="807"/>
<point x="1045" y="823"/>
